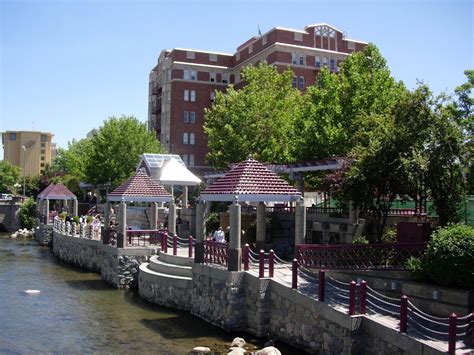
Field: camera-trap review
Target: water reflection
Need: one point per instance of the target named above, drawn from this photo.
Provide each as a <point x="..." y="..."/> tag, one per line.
<point x="76" y="312"/>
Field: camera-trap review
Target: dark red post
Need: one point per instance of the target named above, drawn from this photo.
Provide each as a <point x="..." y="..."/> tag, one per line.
<point x="322" y="285"/>
<point x="352" y="298"/>
<point x="271" y="263"/>
<point x="246" y="257"/>
<point x="453" y="319"/>
<point x="175" y="244"/>
<point x="190" y="241"/>
<point x="363" y="296"/>
<point x="403" y="314"/>
<point x="261" y="264"/>
<point x="294" y="274"/>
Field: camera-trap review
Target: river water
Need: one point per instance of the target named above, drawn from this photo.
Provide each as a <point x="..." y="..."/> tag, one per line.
<point x="77" y="312"/>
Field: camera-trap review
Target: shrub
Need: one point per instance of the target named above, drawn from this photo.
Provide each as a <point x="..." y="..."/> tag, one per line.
<point x="212" y="222"/>
<point x="360" y="240"/>
<point x="449" y="258"/>
<point x="28" y="213"/>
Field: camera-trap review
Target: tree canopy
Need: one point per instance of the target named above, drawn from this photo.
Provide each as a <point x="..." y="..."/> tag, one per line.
<point x="9" y="176"/>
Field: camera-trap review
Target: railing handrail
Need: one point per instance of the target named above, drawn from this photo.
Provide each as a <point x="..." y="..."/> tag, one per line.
<point x="360" y="246"/>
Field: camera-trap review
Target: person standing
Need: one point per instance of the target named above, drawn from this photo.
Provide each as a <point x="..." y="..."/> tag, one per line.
<point x="219" y="235"/>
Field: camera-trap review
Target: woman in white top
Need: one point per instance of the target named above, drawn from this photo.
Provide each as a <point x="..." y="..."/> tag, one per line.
<point x="219" y="235"/>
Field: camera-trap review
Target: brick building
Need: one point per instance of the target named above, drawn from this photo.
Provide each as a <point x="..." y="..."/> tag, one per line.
<point x="184" y="81"/>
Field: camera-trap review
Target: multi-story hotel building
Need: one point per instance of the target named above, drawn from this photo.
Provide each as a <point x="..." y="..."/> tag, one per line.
<point x="184" y="81"/>
<point x="29" y="150"/>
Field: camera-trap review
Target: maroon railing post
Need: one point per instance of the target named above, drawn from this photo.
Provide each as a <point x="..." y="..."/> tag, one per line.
<point x="261" y="264"/>
<point x="403" y="314"/>
<point x="271" y="263"/>
<point x="294" y="274"/>
<point x="322" y="285"/>
<point x="190" y="241"/>
<point x="363" y="296"/>
<point x="175" y="244"/>
<point x="352" y="297"/>
<point x="453" y="318"/>
<point x="246" y="257"/>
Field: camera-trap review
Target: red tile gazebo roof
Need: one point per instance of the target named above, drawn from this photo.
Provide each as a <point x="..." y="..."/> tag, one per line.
<point x="250" y="181"/>
<point x="56" y="192"/>
<point x="140" y="188"/>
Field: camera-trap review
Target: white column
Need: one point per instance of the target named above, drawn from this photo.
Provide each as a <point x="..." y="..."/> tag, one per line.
<point x="260" y="240"/>
<point x="154" y="215"/>
<point x="300" y="223"/>
<point x="172" y="219"/>
<point x="235" y="252"/>
<point x="122" y="225"/>
<point x="200" y="232"/>
<point x="75" y="207"/>
<point x="185" y="197"/>
<point x="46" y="202"/>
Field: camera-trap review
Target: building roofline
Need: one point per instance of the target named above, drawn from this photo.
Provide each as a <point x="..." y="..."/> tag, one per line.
<point x="324" y="24"/>
<point x="356" y="40"/>
<point x="201" y="51"/>
<point x="202" y="65"/>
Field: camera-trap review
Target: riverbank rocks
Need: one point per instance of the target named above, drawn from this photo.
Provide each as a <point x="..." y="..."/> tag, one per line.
<point x="269" y="350"/>
<point x="22" y="233"/>
<point x="200" y="350"/>
<point x="127" y="271"/>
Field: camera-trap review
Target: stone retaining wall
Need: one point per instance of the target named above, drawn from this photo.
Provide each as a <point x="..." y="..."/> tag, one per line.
<point x="44" y="233"/>
<point x="118" y="267"/>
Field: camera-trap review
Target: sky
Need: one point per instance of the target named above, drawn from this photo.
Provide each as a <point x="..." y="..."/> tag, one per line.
<point x="66" y="66"/>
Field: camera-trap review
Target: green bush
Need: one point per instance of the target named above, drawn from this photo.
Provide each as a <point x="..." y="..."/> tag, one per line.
<point x="28" y="213"/>
<point x="212" y="222"/>
<point x="449" y="258"/>
<point x="360" y="240"/>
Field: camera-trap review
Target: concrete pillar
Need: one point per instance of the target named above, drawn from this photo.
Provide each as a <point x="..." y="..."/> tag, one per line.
<point x="300" y="223"/>
<point x="64" y="206"/>
<point x="299" y="179"/>
<point x="185" y="197"/>
<point x="105" y="228"/>
<point x="75" y="208"/>
<point x="353" y="213"/>
<point x="260" y="240"/>
<point x="172" y="219"/>
<point x="122" y="225"/>
<point x="200" y="232"/>
<point x="46" y="202"/>
<point x="154" y="215"/>
<point x="235" y="252"/>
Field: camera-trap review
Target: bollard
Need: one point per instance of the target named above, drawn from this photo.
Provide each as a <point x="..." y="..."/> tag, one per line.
<point x="322" y="285"/>
<point x="175" y="244"/>
<point x="246" y="257"/>
<point x="453" y="318"/>
<point x="190" y="241"/>
<point x="363" y="296"/>
<point x="271" y="263"/>
<point x="261" y="264"/>
<point x="294" y="274"/>
<point x="352" y="298"/>
<point x="403" y="314"/>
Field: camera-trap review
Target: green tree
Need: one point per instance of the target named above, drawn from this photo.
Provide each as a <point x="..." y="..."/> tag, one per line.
<point x="115" y="150"/>
<point x="9" y="177"/>
<point x="257" y="120"/>
<point x="28" y="213"/>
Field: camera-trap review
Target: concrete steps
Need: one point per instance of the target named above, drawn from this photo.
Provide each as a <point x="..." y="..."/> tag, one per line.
<point x="165" y="269"/>
<point x="170" y="267"/>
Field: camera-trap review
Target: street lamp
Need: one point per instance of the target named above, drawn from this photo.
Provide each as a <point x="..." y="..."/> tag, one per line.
<point x="24" y="167"/>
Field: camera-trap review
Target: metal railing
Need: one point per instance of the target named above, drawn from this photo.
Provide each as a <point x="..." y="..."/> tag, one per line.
<point x="215" y="252"/>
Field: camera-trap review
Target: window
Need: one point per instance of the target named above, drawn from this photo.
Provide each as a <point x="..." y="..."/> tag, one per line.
<point x="351" y="45"/>
<point x="225" y="78"/>
<point x="43" y="151"/>
<point x="192" y="117"/>
<point x="191" y="138"/>
<point x="190" y="55"/>
<point x="13" y="136"/>
<point x="186" y="117"/>
<point x="193" y="75"/>
<point x="295" y="81"/>
<point x="212" y="77"/>
<point x="212" y="96"/>
<point x="185" y="138"/>
<point x="42" y="165"/>
<point x="332" y="64"/>
<point x="44" y="138"/>
<point x="298" y="36"/>
<point x="237" y="56"/>
<point x="186" y="74"/>
<point x="185" y="158"/>
<point x="318" y="62"/>
<point x="302" y="59"/>
<point x="193" y="96"/>
<point x="293" y="58"/>
<point x="325" y="62"/>
<point x="301" y="82"/>
<point x="264" y="40"/>
<point x="191" y="159"/>
<point x="186" y="95"/>
<point x="251" y="48"/>
<point x="43" y="145"/>
<point x="213" y="57"/>
<point x="42" y="157"/>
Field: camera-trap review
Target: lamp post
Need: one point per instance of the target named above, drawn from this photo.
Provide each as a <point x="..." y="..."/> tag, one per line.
<point x="24" y="167"/>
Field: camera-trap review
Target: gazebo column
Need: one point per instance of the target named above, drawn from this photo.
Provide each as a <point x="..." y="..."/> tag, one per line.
<point x="105" y="228"/>
<point x="234" y="257"/>
<point x="260" y="240"/>
<point x="200" y="232"/>
<point x="300" y="222"/>
<point x="154" y="215"/>
<point x="75" y="208"/>
<point x="185" y="197"/>
<point x="353" y="213"/>
<point x="46" y="202"/>
<point x="172" y="219"/>
<point x="122" y="225"/>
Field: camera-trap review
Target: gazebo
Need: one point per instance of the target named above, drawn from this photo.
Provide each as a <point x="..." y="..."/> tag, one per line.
<point x="139" y="188"/>
<point x="55" y="192"/>
<point x="248" y="181"/>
